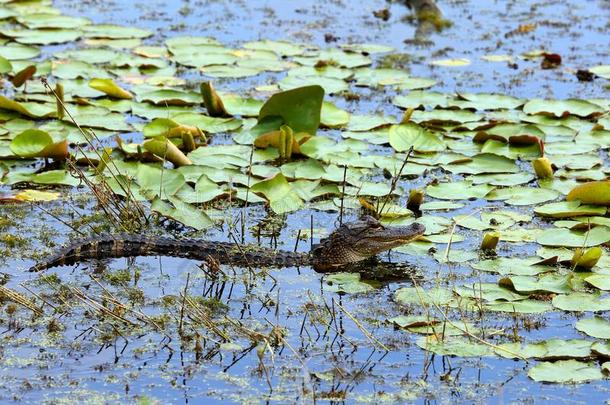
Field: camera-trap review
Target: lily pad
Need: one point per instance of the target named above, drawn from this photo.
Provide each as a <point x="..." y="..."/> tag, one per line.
<point x="596" y="327"/>
<point x="404" y="136"/>
<point x="595" y="192"/>
<point x="281" y="196"/>
<point x="565" y="371"/>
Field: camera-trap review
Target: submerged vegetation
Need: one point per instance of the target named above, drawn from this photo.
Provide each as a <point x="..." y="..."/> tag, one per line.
<point x="107" y="128"/>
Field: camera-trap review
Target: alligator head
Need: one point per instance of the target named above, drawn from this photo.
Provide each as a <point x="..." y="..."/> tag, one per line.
<point x="356" y="241"/>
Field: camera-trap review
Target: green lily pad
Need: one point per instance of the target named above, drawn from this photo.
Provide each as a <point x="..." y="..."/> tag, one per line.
<point x="419" y="296"/>
<point x="522" y="195"/>
<point x="182" y="212"/>
<point x="489" y="292"/>
<point x="43" y="36"/>
<point x="347" y="283"/>
<point x="330" y="85"/>
<point x="30" y="109"/>
<point x="581" y="302"/>
<point x="572" y="238"/>
<point x="562" y="108"/>
<point x="520" y="307"/>
<point x="599" y="281"/>
<point x="333" y="116"/>
<point x="404" y="136"/>
<point x="37" y="143"/>
<point x="14" y="51"/>
<point x="282" y="48"/>
<point x="596" y="327"/>
<point x="568" y="209"/>
<point x="459" y="190"/>
<point x="281" y="196"/>
<point x="417" y="99"/>
<point x="299" y="108"/>
<point x="512" y="265"/>
<point x="454" y="347"/>
<point x="549" y="283"/>
<point x="565" y="371"/>
<point x="114" y="32"/>
<point x="552" y="349"/>
<point x="484" y="163"/>
<point x="5" y="65"/>
<point x="42" y="20"/>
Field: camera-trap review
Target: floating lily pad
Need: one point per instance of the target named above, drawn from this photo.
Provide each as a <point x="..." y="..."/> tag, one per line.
<point x="571" y="238"/>
<point x="562" y="108"/>
<point x="281" y="196"/>
<point x="597" y="327"/>
<point x="404" y="136"/>
<point x="522" y="195"/>
<point x="454" y="347"/>
<point x="114" y="31"/>
<point x="565" y="371"/>
<point x="552" y="349"/>
<point x="347" y="283"/>
<point x="419" y="296"/>
<point x="182" y="212"/>
<point x="568" y="209"/>
<point x="596" y="192"/>
<point x="581" y="302"/>
<point x="459" y="190"/>
<point x="549" y="283"/>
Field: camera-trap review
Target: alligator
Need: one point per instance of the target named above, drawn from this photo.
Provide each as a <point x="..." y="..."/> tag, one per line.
<point x="351" y="243"/>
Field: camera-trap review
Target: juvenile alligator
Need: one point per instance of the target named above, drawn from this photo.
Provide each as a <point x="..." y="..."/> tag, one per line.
<point x="350" y="243"/>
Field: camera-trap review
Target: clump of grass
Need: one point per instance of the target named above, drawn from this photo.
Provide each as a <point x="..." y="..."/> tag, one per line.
<point x="124" y="212"/>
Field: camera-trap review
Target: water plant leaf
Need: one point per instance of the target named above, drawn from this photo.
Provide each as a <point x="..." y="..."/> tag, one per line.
<point x="112" y="31"/>
<point x="565" y="371"/>
<point x="562" y="108"/>
<point x="456" y="62"/>
<point x="347" y="283"/>
<point x="596" y="327"/>
<point x="595" y="192"/>
<point x="459" y="190"/>
<point x="452" y="346"/>
<point x="568" y="209"/>
<point x="599" y="281"/>
<point x="419" y="296"/>
<point x="484" y="163"/>
<point x="574" y="238"/>
<point x="521" y="307"/>
<point x="522" y="195"/>
<point x="404" y="136"/>
<point x="281" y="196"/>
<point x="182" y="212"/>
<point x="166" y="150"/>
<point x="512" y="265"/>
<point x="110" y="88"/>
<point x="579" y="301"/>
<point x="282" y="48"/>
<point x="37" y="143"/>
<point x="14" y="51"/>
<point x="30" y="109"/>
<point x="332" y="116"/>
<point x="5" y="65"/>
<point x="549" y="283"/>
<point x="299" y="108"/>
<point x="36" y="195"/>
<point x="552" y="349"/>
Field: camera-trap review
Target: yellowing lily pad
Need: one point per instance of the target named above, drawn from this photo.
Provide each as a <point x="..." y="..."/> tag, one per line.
<point x="110" y="88"/>
<point x="595" y="192"/>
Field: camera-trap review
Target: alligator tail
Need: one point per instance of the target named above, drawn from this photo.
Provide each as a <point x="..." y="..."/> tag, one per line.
<point x="115" y="246"/>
